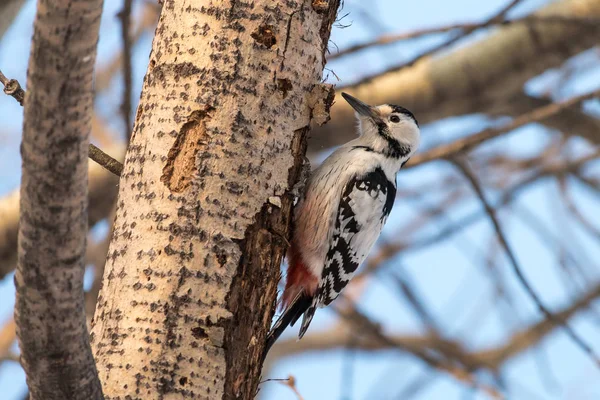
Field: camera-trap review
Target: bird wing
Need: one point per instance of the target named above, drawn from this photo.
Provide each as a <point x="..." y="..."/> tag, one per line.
<point x="365" y="204"/>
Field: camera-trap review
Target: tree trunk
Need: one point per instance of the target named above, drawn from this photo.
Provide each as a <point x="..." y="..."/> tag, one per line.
<point x="204" y="203"/>
<point x="51" y="325"/>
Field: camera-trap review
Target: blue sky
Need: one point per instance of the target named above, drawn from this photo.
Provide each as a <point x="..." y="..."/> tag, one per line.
<point x="449" y="276"/>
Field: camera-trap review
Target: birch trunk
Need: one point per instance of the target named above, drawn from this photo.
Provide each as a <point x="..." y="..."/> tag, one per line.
<point x="49" y="312"/>
<point x="204" y="203"/>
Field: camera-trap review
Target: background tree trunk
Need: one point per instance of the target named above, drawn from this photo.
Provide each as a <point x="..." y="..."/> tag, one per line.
<point x="49" y="312"/>
<point x="204" y="203"/>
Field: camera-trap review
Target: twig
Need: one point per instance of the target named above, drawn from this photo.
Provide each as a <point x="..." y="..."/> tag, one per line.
<point x="12" y="88"/>
<point x="106" y="161"/>
<point x="125" y="17"/>
<point x="468" y="143"/>
<point x="463" y="167"/>
<point x="290" y="382"/>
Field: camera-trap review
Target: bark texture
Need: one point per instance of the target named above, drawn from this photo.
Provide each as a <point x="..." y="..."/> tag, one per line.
<point x="474" y="78"/>
<point x="102" y="195"/>
<point x="204" y="204"/>
<point x="49" y="313"/>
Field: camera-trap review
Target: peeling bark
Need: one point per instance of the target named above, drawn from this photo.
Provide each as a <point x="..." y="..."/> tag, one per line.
<point x="49" y="309"/>
<point x="191" y="277"/>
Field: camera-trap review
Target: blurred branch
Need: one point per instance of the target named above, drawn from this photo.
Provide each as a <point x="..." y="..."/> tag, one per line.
<point x="516" y="267"/>
<point x="8" y="11"/>
<point x="389" y="250"/>
<point x="569" y="121"/>
<point x="145" y="22"/>
<point x="364" y="325"/>
<point x="468" y="143"/>
<point x="574" y="211"/>
<point x="492" y="358"/>
<point x="473" y="78"/>
<point x="125" y="17"/>
<point x="495" y="19"/>
<point x="531" y="336"/>
<point x="465" y="27"/>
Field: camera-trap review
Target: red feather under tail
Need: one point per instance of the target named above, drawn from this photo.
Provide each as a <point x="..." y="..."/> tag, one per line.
<point x="299" y="279"/>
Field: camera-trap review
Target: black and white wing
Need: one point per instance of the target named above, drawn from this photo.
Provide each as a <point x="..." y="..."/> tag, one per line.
<point x="364" y="207"/>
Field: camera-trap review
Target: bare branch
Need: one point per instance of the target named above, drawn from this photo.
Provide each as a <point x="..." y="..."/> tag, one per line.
<point x="496" y="18"/>
<point x="468" y="143"/>
<point x="491" y="358"/>
<point x="465" y="27"/>
<point x="517" y="268"/>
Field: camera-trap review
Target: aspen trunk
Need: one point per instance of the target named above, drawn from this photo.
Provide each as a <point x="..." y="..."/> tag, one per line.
<point x="49" y="309"/>
<point x="204" y="203"/>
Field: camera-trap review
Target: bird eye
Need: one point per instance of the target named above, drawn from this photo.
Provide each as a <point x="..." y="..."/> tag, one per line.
<point x="395" y="119"/>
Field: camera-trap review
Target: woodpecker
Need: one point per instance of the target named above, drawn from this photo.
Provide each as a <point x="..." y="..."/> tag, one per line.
<point x="345" y="205"/>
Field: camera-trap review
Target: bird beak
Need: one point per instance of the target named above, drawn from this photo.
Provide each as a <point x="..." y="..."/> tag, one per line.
<point x="361" y="108"/>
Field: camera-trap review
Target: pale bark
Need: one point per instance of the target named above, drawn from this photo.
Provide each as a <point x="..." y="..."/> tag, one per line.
<point x="474" y="78"/>
<point x="49" y="313"/>
<point x="204" y="204"/>
<point x="102" y="195"/>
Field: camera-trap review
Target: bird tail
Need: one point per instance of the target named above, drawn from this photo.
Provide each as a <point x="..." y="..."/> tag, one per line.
<point x="298" y="306"/>
<point x="308" y="316"/>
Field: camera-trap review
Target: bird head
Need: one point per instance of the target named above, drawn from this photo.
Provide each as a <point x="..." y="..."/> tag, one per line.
<point x="394" y="124"/>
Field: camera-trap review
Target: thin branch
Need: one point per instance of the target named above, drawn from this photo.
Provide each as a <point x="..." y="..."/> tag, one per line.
<point x="496" y="18"/>
<point x="125" y="17"/>
<point x="468" y="143"/>
<point x="491" y="358"/>
<point x="363" y="324"/>
<point x="109" y="163"/>
<point x="13" y="88"/>
<point x="516" y="267"/>
<point x="465" y="27"/>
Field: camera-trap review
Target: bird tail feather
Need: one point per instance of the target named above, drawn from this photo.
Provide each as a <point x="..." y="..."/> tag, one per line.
<point x="301" y="303"/>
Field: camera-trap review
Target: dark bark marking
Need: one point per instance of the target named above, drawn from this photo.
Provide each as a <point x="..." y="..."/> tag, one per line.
<point x="265" y="36"/>
<point x="284" y="85"/>
<point x="181" y="161"/>
<point x="320" y="6"/>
